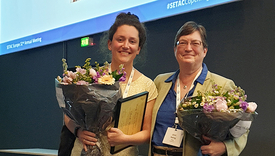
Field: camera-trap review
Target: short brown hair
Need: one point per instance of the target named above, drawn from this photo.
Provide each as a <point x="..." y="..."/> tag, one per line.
<point x="189" y="28"/>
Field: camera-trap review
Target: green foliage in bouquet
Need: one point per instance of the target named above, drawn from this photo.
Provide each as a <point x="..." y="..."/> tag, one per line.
<point x="87" y="74"/>
<point x="216" y="100"/>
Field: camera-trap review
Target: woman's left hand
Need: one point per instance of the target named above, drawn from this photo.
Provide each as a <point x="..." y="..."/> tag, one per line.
<point x="116" y="136"/>
<point x="215" y="148"/>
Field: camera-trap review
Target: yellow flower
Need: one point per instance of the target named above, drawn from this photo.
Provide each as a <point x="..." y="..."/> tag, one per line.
<point x="184" y="105"/>
<point x="203" y="99"/>
<point x="106" y="79"/>
<point x="59" y="78"/>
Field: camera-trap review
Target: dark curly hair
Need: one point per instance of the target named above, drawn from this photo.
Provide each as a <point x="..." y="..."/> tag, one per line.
<point x="125" y="19"/>
<point x="131" y="20"/>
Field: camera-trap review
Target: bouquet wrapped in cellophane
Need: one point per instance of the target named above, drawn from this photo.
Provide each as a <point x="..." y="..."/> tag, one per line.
<point x="217" y="115"/>
<point x="88" y="96"/>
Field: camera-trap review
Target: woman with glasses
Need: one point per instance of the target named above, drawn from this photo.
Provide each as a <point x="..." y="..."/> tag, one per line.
<point x="190" y="49"/>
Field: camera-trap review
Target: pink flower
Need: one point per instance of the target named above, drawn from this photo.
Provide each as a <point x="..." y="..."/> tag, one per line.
<point x="208" y="108"/>
<point x="81" y="71"/>
<point x="251" y="107"/>
<point x="82" y="83"/>
<point x="92" y="72"/>
<point x="71" y="74"/>
<point x="67" y="80"/>
<point x="221" y="104"/>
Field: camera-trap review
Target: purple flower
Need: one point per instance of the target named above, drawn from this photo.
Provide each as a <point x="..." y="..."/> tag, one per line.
<point x="244" y="105"/>
<point x="97" y="74"/>
<point x="122" y="78"/>
<point x="208" y="108"/>
<point x="96" y="77"/>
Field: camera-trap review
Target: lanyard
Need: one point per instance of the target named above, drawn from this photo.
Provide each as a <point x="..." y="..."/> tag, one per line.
<point x="178" y="92"/>
<point x="126" y="91"/>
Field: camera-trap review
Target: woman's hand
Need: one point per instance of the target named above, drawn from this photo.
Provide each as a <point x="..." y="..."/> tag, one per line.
<point x="87" y="138"/>
<point x="116" y="137"/>
<point x="215" y="148"/>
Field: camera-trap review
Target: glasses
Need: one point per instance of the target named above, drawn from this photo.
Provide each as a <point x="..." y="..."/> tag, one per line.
<point x="194" y="43"/>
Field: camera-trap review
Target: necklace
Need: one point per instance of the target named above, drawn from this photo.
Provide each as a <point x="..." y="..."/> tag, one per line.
<point x="184" y="87"/>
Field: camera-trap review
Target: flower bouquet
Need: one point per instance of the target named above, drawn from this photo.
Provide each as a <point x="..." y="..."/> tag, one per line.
<point x="88" y="96"/>
<point x="217" y="115"/>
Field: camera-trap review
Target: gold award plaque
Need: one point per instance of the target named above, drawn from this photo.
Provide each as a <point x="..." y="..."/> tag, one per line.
<point x="129" y="116"/>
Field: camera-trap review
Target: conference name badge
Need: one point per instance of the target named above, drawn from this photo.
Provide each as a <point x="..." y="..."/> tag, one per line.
<point x="173" y="137"/>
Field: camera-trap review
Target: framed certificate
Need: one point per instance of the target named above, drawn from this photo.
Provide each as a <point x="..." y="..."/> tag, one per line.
<point x="129" y="116"/>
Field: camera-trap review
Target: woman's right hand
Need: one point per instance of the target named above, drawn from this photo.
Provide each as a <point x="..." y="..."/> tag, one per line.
<point x="86" y="137"/>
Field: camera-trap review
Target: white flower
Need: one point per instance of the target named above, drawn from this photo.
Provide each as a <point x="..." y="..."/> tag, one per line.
<point x="221" y="104"/>
<point x="251" y="107"/>
<point x="92" y="72"/>
<point x="106" y="79"/>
